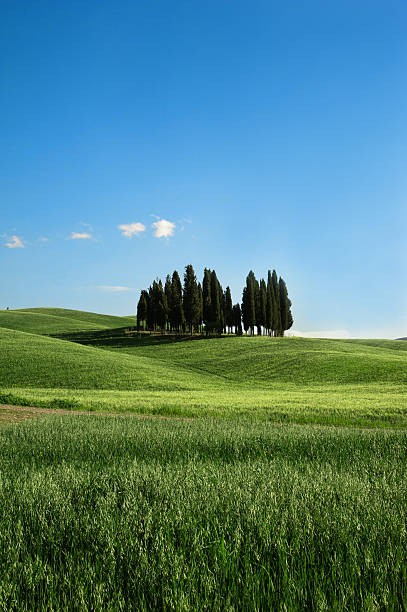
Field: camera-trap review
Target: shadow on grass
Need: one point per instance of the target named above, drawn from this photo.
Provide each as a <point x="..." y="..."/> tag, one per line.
<point x="123" y="337"/>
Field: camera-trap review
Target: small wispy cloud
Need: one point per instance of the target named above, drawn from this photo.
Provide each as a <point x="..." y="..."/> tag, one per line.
<point x="80" y="236"/>
<point x="43" y="239"/>
<point x="114" y="288"/>
<point x="15" y="243"/>
<point x="131" y="229"/>
<point x="163" y="228"/>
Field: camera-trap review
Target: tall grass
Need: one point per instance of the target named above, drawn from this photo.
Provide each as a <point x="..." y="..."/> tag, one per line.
<point x="120" y="513"/>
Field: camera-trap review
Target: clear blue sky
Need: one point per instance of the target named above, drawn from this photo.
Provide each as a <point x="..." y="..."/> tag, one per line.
<point x="272" y="134"/>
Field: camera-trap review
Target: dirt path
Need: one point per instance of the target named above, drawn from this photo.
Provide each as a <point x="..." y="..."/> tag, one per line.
<point x="14" y="414"/>
<point x="11" y="414"/>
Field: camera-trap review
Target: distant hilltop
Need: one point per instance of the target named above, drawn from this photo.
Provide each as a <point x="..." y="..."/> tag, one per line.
<point x="401" y="338"/>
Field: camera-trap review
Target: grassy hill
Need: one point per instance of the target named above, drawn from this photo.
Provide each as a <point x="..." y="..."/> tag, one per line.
<point x="101" y="320"/>
<point x="51" y="321"/>
<point x="264" y="360"/>
<point x="300" y="379"/>
<point x="29" y="360"/>
<point x="99" y="513"/>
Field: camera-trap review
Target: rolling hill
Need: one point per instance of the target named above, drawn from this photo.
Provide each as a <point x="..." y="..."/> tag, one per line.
<point x="30" y="360"/>
<point x="263" y="361"/>
<point x="94" y="365"/>
<point x="49" y="321"/>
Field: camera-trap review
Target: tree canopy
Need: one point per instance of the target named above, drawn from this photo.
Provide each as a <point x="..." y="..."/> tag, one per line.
<point x="196" y="307"/>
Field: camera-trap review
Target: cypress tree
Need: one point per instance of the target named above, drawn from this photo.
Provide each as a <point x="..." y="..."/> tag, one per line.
<point x="228" y="308"/>
<point x="252" y="294"/>
<point x="237" y="319"/>
<point x="200" y="296"/>
<point x="269" y="304"/>
<point x="168" y="295"/>
<point x="142" y="309"/>
<point x="276" y="304"/>
<point x="150" y="309"/>
<point x="285" y="307"/>
<point x="245" y="309"/>
<point x="206" y="298"/>
<point x="161" y="306"/>
<point x="158" y="307"/>
<point x="222" y="309"/>
<point x="191" y="298"/>
<point x="257" y="305"/>
<point x="177" y="313"/>
<point x="216" y="315"/>
<point x="262" y="317"/>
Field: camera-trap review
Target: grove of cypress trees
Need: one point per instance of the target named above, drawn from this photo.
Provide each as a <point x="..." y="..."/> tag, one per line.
<point x="191" y="300"/>
<point x="264" y="305"/>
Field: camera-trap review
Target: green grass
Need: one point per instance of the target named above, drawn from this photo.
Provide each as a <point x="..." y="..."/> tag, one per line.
<point x="289" y="379"/>
<point x="59" y="320"/>
<point x="104" y="513"/>
<point x="29" y="360"/>
<point x="286" y="488"/>
<point x="101" y="320"/>
<point x="361" y="405"/>
<point x="265" y="360"/>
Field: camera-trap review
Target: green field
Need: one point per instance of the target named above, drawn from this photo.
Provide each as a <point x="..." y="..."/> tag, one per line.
<point x="279" y="379"/>
<point x="112" y="513"/>
<point x="284" y="488"/>
<point x="50" y="321"/>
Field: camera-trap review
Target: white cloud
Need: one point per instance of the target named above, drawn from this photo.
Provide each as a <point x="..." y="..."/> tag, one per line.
<point x="163" y="228"/>
<point x="80" y="236"/>
<point x="113" y="288"/>
<point x="131" y="229"/>
<point x="43" y="239"/>
<point x="15" y="243"/>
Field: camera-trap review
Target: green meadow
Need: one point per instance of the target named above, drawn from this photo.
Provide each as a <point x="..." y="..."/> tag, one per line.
<point x="278" y="379"/>
<point x="271" y="473"/>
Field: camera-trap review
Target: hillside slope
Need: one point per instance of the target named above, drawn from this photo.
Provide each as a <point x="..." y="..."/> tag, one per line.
<point x="30" y="360"/>
<point x="262" y="361"/>
<point x="103" y="320"/>
<point x="297" y="380"/>
<point x="49" y="321"/>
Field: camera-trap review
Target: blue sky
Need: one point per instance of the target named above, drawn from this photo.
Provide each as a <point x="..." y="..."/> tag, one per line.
<point x="255" y="135"/>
